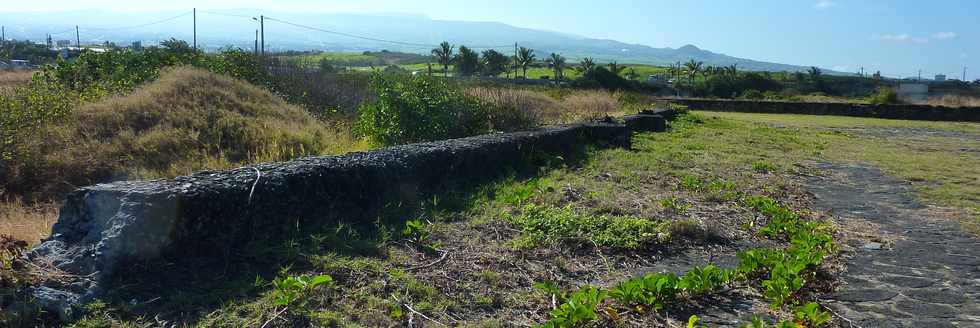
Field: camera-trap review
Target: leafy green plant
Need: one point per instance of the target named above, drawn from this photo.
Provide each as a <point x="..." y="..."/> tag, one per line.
<point x="296" y="289"/>
<point x="580" y="308"/>
<point x="692" y="322"/>
<point x="810" y="315"/>
<point x="519" y="194"/>
<point x="552" y="290"/>
<point x="884" y="96"/>
<point x="673" y="205"/>
<point x="554" y="225"/>
<point x="783" y="281"/>
<point x="701" y="280"/>
<point x="691" y="182"/>
<point x="651" y="290"/>
<point x="419" y="108"/>
<point x="764" y="167"/>
<point x="418" y="233"/>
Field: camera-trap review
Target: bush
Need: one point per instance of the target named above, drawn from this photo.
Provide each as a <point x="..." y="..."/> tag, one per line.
<point x="412" y="109"/>
<point x="753" y="95"/>
<point x="885" y="96"/>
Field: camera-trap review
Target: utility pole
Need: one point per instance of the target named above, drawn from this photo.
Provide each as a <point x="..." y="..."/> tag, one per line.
<point x="195" y="28"/>
<point x="256" y="43"/>
<point x="3" y="34"/>
<point x="862" y="71"/>
<point x="920" y="76"/>
<point x="262" y="27"/>
<point x="515" y="60"/>
<point x="78" y="41"/>
<point x="964" y="73"/>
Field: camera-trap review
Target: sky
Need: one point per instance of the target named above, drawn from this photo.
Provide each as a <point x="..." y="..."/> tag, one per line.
<point x="897" y="37"/>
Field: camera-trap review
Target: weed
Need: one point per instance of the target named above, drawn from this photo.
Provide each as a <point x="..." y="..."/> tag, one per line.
<point x="764" y="167"/>
<point x="674" y="205"/>
<point x="418" y="233"/>
<point x="554" y="225"/>
<point x="292" y="290"/>
<point x="809" y="315"/>
<point x="691" y="182"/>
<point x="580" y="308"/>
<point x="701" y="280"/>
<point x="652" y="290"/>
<point x="519" y="194"/>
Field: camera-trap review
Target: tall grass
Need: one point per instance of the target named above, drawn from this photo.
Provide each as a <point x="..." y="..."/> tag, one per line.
<point x="27" y="222"/>
<point x="185" y="121"/>
<point x="517" y="109"/>
<point x="954" y="101"/>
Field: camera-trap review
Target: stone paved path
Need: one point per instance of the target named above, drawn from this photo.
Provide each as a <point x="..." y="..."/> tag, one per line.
<point x="911" y="268"/>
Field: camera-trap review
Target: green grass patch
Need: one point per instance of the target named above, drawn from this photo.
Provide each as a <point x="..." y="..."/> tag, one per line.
<point x="544" y="224"/>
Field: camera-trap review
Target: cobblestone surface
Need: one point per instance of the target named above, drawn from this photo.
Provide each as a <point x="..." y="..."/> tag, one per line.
<point x="917" y="270"/>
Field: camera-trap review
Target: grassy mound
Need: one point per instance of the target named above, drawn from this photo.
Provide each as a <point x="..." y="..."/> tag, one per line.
<point x="187" y="120"/>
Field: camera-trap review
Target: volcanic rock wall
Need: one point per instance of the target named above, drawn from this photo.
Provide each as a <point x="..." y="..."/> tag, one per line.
<point x="904" y="112"/>
<point x="104" y="226"/>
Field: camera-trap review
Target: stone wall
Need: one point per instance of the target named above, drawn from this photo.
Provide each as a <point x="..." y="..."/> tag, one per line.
<point x="904" y="112"/>
<point x="104" y="226"/>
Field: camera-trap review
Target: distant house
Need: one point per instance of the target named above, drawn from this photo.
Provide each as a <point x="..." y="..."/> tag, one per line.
<point x="913" y="91"/>
<point x="63" y="43"/>
<point x="940" y="77"/>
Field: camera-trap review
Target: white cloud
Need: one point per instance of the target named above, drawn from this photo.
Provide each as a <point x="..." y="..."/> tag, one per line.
<point x="901" y="37"/>
<point x="824" y="4"/>
<point x="945" y="35"/>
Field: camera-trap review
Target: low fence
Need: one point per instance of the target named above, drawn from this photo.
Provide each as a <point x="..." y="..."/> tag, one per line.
<point x="904" y="112"/>
<point x="103" y="227"/>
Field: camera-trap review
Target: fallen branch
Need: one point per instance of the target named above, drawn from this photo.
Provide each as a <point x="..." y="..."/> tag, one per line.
<point x="409" y="307"/>
<point x="443" y="257"/>
<point x="275" y="316"/>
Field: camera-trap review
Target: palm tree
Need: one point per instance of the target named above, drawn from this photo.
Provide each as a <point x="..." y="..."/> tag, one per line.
<point x="525" y="57"/>
<point x="444" y="55"/>
<point x="557" y="64"/>
<point x="587" y="65"/>
<point x="615" y="67"/>
<point x="732" y="70"/>
<point x="693" y="68"/>
<point x="815" y="73"/>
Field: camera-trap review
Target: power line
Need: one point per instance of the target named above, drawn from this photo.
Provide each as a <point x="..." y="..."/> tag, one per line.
<point x="141" y="25"/>
<point x="370" y="38"/>
<point x="224" y="14"/>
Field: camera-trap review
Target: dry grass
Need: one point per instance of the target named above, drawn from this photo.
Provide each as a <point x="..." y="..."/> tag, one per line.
<point x="519" y="108"/>
<point x="12" y="79"/>
<point x="954" y="101"/>
<point x="29" y="223"/>
<point x="187" y="120"/>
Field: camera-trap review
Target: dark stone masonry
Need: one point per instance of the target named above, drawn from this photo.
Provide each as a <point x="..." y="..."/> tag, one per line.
<point x="104" y="226"/>
<point x="904" y="112"/>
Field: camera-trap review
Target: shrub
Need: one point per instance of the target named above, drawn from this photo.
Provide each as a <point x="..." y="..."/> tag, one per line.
<point x="884" y="96"/>
<point x="419" y="108"/>
<point x="753" y="95"/>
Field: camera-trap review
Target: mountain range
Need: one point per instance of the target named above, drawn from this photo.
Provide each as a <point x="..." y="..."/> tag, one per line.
<point x="348" y="32"/>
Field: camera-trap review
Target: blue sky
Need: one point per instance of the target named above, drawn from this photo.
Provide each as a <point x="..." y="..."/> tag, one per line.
<point x="898" y="37"/>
